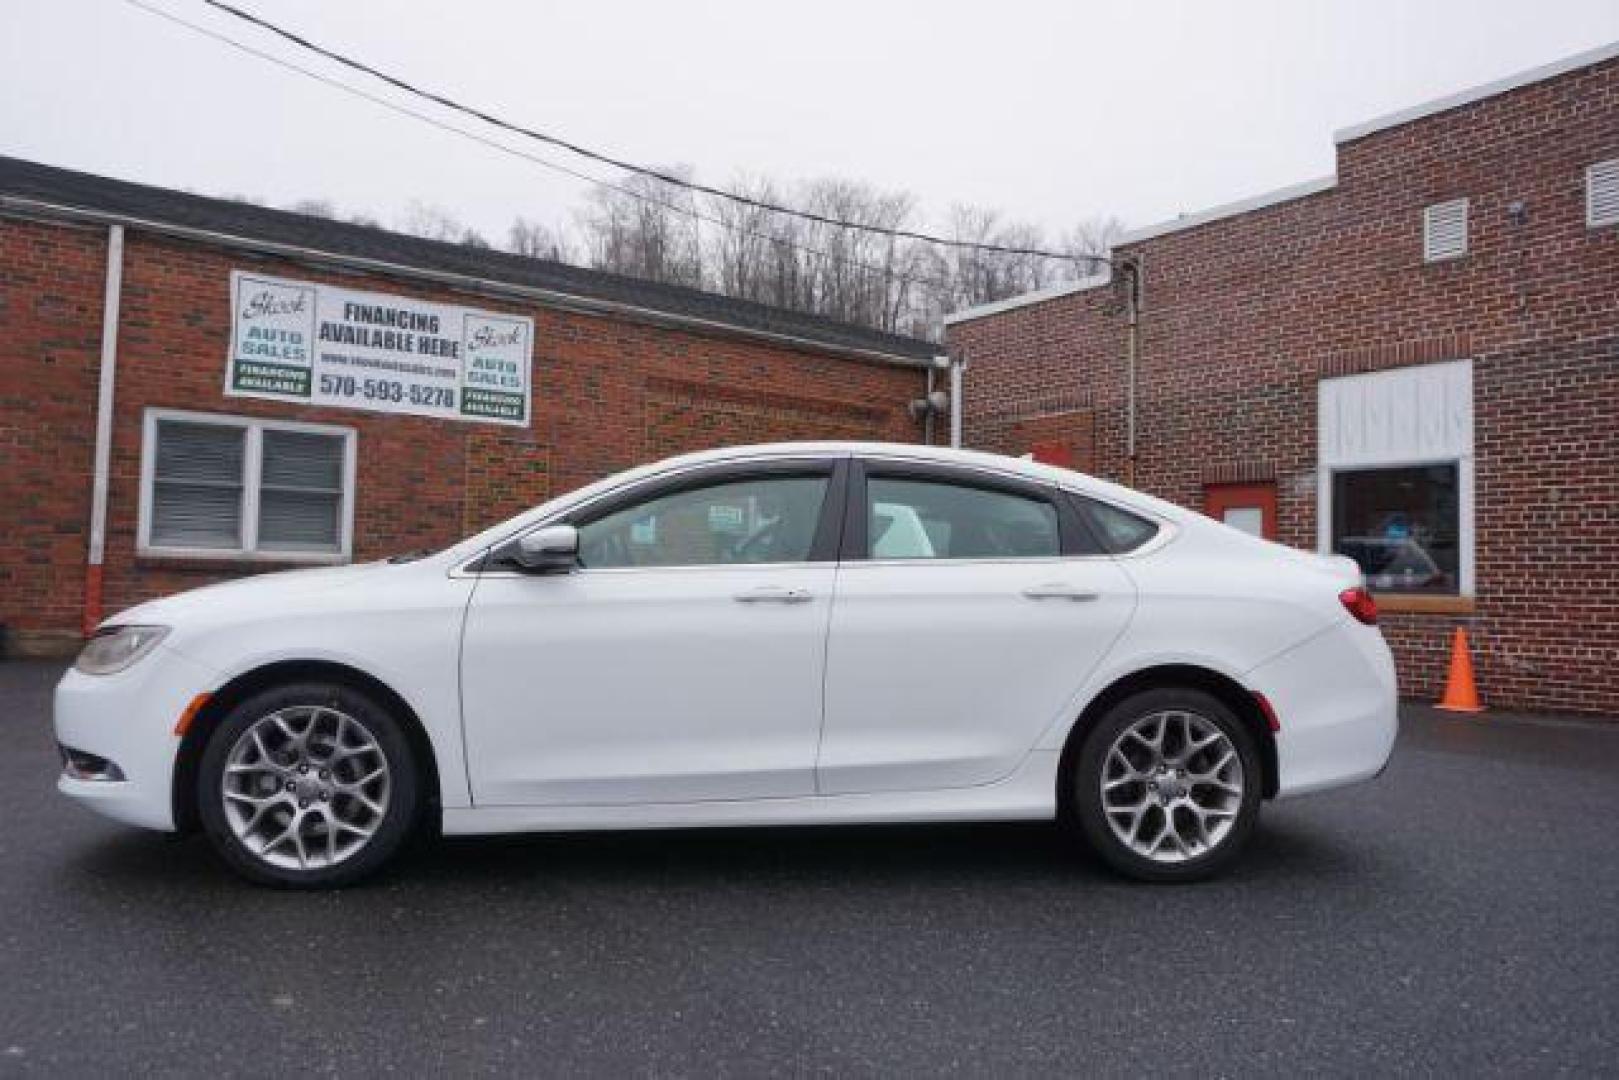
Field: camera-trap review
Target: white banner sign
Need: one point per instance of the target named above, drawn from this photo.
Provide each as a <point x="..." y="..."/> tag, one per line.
<point x="299" y="341"/>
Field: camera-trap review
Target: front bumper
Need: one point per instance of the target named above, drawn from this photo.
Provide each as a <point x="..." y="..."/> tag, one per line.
<point x="128" y="719"/>
<point x="1337" y="702"/>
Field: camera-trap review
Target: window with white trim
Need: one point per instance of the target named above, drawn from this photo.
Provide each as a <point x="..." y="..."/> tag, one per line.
<point x="238" y="486"/>
<point x="1602" y="194"/>
<point x="1396" y="476"/>
<point x="1444" y="231"/>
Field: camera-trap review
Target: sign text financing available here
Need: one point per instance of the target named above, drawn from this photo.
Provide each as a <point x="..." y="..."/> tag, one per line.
<point x="302" y="341"/>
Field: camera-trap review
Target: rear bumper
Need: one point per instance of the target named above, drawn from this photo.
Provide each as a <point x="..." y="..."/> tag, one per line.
<point x="128" y="719"/>
<point x="1336" y="699"/>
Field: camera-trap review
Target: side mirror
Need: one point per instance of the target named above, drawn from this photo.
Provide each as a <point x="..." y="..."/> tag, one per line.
<point x="551" y="550"/>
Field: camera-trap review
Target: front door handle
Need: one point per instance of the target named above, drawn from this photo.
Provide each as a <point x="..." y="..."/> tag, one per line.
<point x="774" y="594"/>
<point x="1059" y="590"/>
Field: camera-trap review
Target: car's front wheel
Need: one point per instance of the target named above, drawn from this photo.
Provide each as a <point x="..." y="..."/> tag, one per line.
<point x="308" y="786"/>
<point x="1167" y="785"/>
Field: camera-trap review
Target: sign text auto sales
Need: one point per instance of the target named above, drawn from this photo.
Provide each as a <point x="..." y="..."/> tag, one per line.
<point x="296" y="340"/>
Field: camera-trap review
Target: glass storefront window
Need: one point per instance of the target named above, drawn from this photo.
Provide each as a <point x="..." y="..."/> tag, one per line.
<point x="1402" y="525"/>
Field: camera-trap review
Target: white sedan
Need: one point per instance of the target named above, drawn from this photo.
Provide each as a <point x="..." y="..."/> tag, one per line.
<point x="792" y="634"/>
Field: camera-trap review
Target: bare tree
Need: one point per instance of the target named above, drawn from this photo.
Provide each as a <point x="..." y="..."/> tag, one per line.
<point x="1089" y="242"/>
<point x="322" y="208"/>
<point x="744" y="250"/>
<point x="647" y="230"/>
<point x="848" y="265"/>
<point x="431" y="223"/>
<point x="536" y="240"/>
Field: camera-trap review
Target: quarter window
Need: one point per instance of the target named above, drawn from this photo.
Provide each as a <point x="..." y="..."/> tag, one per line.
<point x="923" y="519"/>
<point x="766" y="520"/>
<point x="1119" y="530"/>
<point x="216" y="485"/>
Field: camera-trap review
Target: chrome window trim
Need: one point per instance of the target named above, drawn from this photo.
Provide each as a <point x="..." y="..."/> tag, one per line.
<point x="1167" y="530"/>
<point x="464" y="568"/>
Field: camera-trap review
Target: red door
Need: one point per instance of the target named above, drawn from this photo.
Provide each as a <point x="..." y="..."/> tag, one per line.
<point x="1249" y="507"/>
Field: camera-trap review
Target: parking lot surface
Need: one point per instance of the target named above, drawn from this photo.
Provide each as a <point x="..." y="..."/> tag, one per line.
<point x="1458" y="915"/>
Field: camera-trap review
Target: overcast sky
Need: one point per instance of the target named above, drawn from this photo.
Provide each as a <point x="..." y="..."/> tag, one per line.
<point x="1051" y="112"/>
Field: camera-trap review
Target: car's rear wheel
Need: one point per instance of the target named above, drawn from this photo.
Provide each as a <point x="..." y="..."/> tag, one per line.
<point x="308" y="786"/>
<point x="1167" y="785"/>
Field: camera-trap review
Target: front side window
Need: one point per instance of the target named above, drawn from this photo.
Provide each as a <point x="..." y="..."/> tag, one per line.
<point x="929" y="519"/>
<point x="229" y="485"/>
<point x="1402" y="525"/>
<point x="764" y="520"/>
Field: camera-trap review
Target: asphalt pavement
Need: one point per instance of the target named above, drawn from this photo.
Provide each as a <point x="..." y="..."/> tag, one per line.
<point x="1459" y="915"/>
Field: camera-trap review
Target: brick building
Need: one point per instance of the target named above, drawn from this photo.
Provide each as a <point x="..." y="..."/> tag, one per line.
<point x="276" y="390"/>
<point x="1414" y="362"/>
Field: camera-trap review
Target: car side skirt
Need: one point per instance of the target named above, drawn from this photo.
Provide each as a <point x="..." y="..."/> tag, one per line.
<point x="1028" y="794"/>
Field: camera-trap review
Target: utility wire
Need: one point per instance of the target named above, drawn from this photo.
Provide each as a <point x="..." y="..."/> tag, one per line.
<point x="393" y="106"/>
<point x="628" y="166"/>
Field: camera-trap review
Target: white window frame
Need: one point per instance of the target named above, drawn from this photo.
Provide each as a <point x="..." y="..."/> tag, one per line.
<point x="1329" y="466"/>
<point x="252" y="469"/>
<point x="1592" y="221"/>
<point x="1428" y="215"/>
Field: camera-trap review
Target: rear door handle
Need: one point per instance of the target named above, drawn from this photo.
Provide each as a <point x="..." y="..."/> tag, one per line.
<point x="774" y="594"/>
<point x="1059" y="590"/>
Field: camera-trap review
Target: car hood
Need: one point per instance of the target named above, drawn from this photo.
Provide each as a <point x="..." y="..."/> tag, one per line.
<point x="282" y="588"/>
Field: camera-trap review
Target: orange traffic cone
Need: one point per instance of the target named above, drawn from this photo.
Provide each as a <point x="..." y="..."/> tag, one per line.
<point x="1460" y="693"/>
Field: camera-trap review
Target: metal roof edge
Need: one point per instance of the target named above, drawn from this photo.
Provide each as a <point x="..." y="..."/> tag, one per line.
<point x="1067" y="288"/>
<point x="1477" y="93"/>
<point x="1230" y="209"/>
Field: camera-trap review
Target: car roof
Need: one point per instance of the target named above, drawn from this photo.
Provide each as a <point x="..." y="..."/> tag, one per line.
<point x="943" y="455"/>
<point x="1066" y="478"/>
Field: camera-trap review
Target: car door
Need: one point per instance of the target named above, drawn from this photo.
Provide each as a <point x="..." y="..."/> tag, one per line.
<point x="971" y="607"/>
<point x="681" y="660"/>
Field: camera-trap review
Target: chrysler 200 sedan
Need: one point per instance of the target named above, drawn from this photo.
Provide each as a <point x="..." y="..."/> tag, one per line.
<point x="801" y="633"/>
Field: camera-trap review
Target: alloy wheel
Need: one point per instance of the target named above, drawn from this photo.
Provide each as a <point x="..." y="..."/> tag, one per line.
<point x="305" y="787"/>
<point x="1171" y="786"/>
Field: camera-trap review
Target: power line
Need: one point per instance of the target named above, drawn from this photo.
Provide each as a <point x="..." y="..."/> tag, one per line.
<point x="648" y="197"/>
<point x="628" y="166"/>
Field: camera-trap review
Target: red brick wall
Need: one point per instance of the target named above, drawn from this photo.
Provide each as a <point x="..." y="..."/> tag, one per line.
<point x="1243" y="316"/>
<point x="608" y="393"/>
<point x="50" y="344"/>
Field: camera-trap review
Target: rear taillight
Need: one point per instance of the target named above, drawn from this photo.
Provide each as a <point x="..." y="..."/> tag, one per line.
<point x="1359" y="603"/>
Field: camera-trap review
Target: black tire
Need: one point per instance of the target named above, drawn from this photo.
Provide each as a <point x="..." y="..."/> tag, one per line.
<point x="1087" y="798"/>
<point x="390" y="829"/>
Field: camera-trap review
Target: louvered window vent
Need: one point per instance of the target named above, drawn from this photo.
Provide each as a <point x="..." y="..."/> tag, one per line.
<point x="1602" y="193"/>
<point x="1444" y="231"/>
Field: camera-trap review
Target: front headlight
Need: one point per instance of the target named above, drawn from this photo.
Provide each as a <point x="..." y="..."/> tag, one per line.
<point x="117" y="647"/>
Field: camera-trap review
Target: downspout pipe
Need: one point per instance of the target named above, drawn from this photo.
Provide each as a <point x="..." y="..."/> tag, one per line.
<point x="958" y="364"/>
<point x="927" y="412"/>
<point x="1130" y="273"/>
<point x="104" y="410"/>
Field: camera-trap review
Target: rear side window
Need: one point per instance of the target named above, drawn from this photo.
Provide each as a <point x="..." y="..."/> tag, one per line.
<point x="1118" y="530"/>
<point x="929" y="519"/>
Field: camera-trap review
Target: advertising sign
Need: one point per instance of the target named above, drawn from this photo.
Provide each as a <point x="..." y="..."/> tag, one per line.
<point x="324" y="345"/>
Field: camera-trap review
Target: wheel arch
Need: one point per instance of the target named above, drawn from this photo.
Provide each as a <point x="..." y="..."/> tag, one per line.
<point x="1230" y="693"/>
<point x="281" y="673"/>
